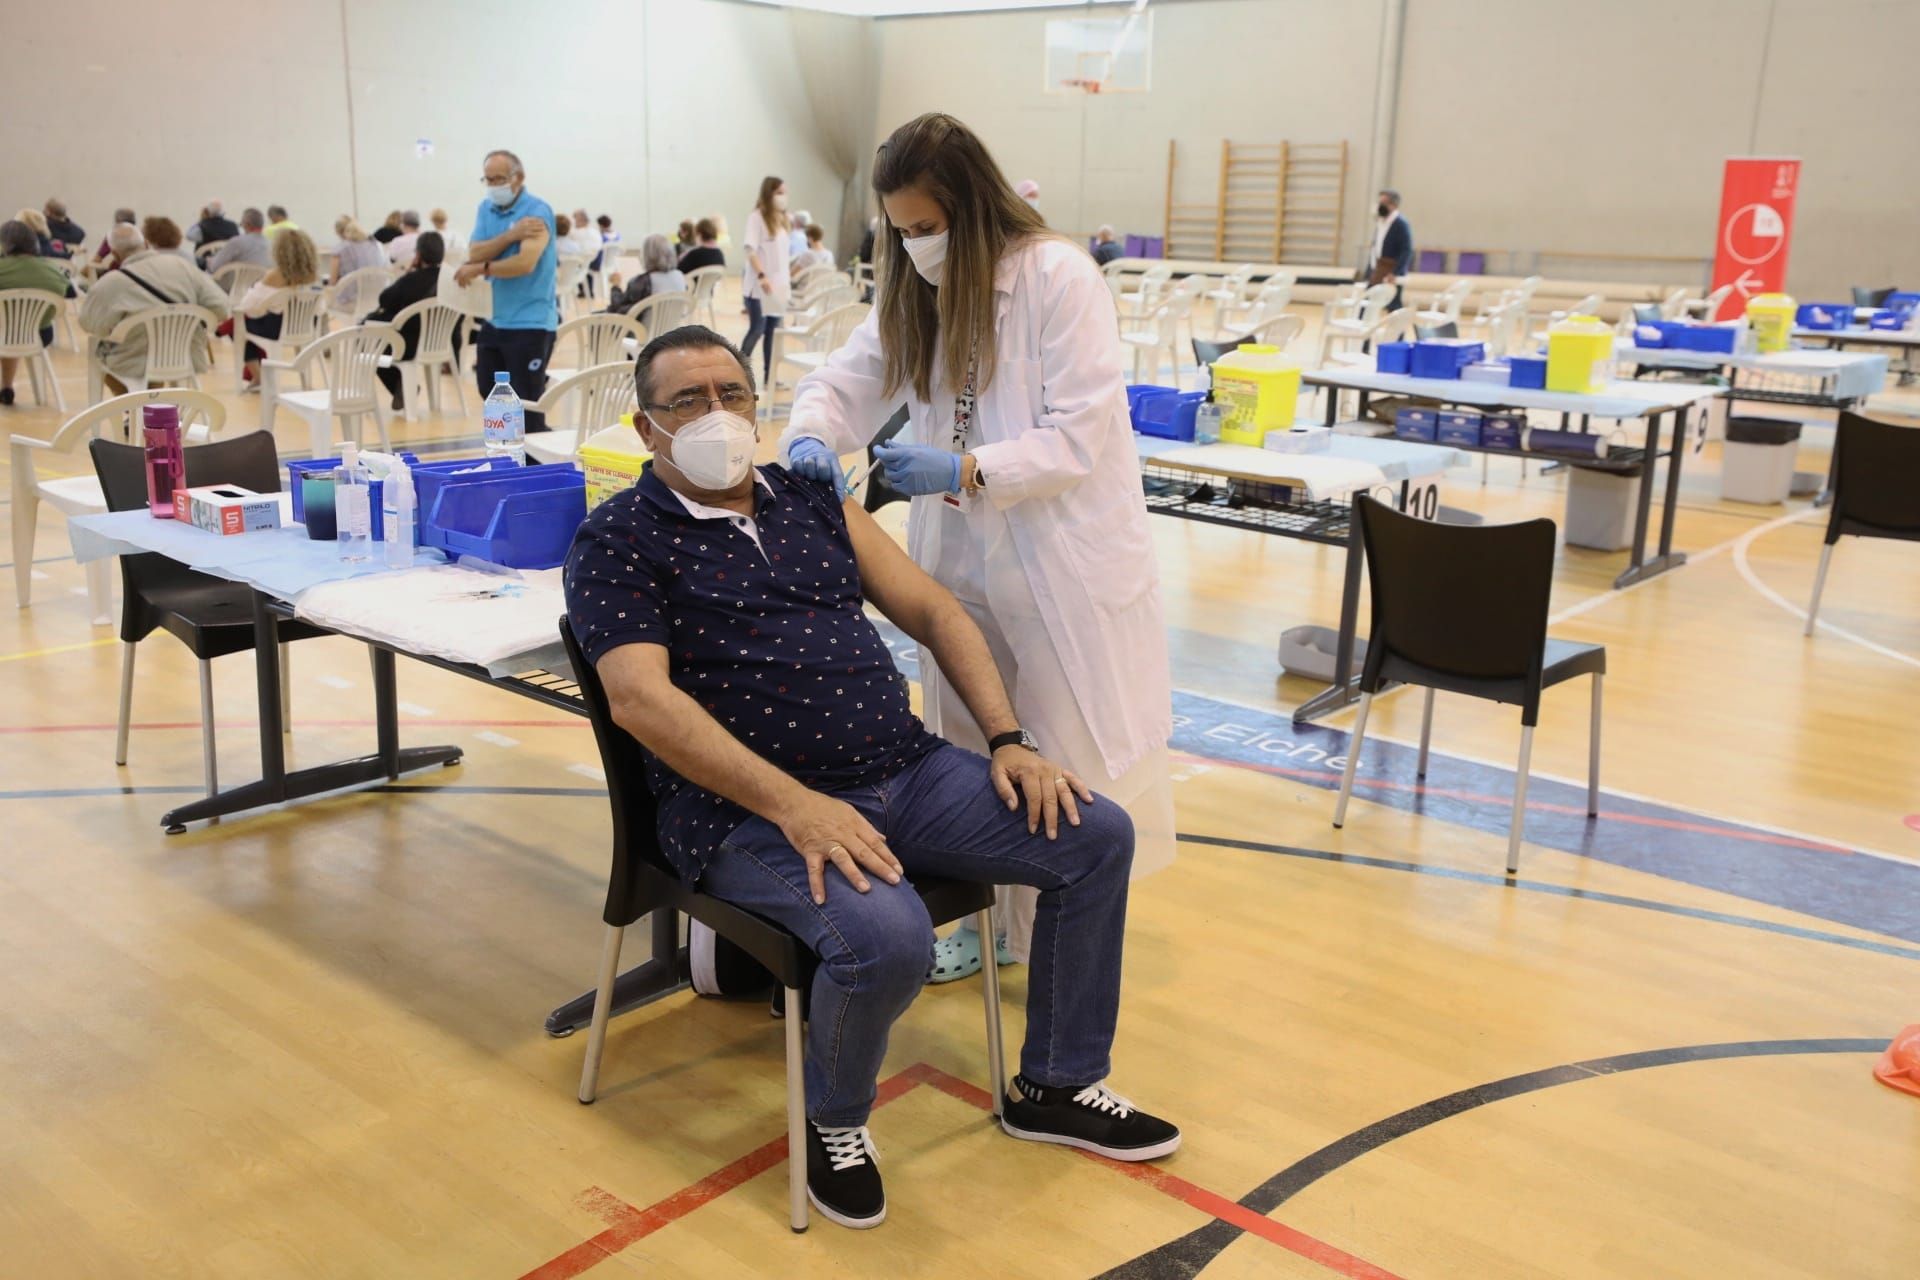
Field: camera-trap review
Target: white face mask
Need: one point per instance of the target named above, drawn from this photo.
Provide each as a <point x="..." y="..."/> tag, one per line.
<point x="714" y="452"/>
<point x="502" y="196"/>
<point x="780" y="201"/>
<point x="929" y="254"/>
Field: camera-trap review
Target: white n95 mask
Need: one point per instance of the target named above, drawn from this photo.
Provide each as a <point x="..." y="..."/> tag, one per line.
<point x="715" y="452"/>
<point x="929" y="254"/>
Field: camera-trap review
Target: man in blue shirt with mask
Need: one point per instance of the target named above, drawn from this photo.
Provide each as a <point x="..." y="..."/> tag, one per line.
<point x="514" y="247"/>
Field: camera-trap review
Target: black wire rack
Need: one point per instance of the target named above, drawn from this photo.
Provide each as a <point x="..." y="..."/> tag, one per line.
<point x="1242" y="504"/>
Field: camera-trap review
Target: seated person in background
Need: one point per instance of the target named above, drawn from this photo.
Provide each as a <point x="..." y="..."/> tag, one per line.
<point x="660" y="276"/>
<point x="389" y="231"/>
<point x="68" y="235"/>
<point x="455" y="247"/>
<point x="586" y="243"/>
<point x="163" y="236"/>
<point x="1106" y="249"/>
<point x="354" y="251"/>
<point x="706" y="252"/>
<point x="400" y="248"/>
<point x="683" y="237"/>
<point x="278" y="221"/>
<point x="213" y="227"/>
<point x="42" y="235"/>
<point x="23" y="267"/>
<point x="145" y="279"/>
<point x="816" y="253"/>
<point x="420" y="284"/>
<point x="781" y="741"/>
<point x="296" y="264"/>
<point x="121" y="218"/>
<point x="249" y="247"/>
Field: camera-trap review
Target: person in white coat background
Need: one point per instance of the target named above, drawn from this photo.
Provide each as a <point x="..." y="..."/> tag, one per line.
<point x="1002" y="339"/>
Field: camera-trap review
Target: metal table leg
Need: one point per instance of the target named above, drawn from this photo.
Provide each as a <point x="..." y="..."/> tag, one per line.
<point x="1639" y="567"/>
<point x="652" y="979"/>
<point x="1345" y="688"/>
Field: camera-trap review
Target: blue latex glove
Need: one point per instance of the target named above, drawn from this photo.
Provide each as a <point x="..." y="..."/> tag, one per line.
<point x="811" y="458"/>
<point x="914" y="469"/>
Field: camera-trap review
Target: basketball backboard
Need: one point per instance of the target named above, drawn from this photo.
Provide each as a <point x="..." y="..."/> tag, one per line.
<point x="1100" y="55"/>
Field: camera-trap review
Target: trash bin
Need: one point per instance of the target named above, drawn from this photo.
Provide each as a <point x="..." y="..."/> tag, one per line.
<point x="1758" y="460"/>
<point x="1600" y="509"/>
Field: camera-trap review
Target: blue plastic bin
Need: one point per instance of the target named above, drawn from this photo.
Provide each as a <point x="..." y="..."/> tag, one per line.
<point x="1460" y="426"/>
<point x="523" y="517"/>
<point x="1824" y="315"/>
<point x="1142" y="391"/>
<point x="1903" y="302"/>
<point x="1170" y="416"/>
<point x="1393" y="357"/>
<point x="299" y="469"/>
<point x="1888" y="318"/>
<point x="1445" y="358"/>
<point x="1501" y="430"/>
<point x="1529" y="372"/>
<point x="1719" y="338"/>
<point x="1416" y="424"/>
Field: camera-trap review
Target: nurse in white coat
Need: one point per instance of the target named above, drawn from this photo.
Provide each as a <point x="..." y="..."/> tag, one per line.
<point x="1002" y="340"/>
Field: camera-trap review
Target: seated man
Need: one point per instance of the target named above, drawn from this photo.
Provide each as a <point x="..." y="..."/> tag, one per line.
<point x="722" y="606"/>
<point x="145" y="278"/>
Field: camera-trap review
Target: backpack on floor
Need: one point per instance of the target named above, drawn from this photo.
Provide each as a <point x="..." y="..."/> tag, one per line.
<point x="719" y="968"/>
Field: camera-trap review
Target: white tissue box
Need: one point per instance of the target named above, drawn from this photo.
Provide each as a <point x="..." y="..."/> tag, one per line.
<point x="1300" y="440"/>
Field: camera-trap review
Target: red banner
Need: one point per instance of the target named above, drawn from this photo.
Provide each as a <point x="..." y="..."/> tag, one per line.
<point x="1756" y="224"/>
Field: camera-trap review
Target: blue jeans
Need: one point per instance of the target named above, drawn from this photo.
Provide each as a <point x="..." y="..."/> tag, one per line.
<point x="941" y="817"/>
<point x="760" y="325"/>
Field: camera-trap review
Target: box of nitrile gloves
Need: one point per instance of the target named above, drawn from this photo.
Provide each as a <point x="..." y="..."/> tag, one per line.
<point x="1459" y="426"/>
<point x="227" y="509"/>
<point x="1501" y="430"/>
<point x="1416" y="424"/>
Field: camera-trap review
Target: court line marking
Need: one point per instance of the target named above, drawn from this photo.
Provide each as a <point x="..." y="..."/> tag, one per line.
<point x="627" y="1223"/>
<point x="1193" y="1252"/>
<point x="58" y="648"/>
<point x="1767" y="593"/>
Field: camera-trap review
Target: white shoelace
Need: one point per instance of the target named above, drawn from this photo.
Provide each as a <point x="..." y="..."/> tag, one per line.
<point x="1101" y="1098"/>
<point x="847" y="1148"/>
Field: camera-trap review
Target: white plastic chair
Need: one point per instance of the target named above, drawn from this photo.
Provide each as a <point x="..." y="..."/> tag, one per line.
<point x="1708" y="307"/>
<point x="596" y="339"/>
<point x="171" y="332"/>
<point x="809" y="345"/>
<point x="1271" y="299"/>
<point x="349" y="389"/>
<point x="71" y="305"/>
<point x="702" y="285"/>
<point x="204" y="254"/>
<point x="1233" y="287"/>
<point x="662" y="312"/>
<point x="568" y="272"/>
<point x="79" y="494"/>
<point x="1445" y="308"/>
<point x="1350" y="334"/>
<point x="1148" y="295"/>
<point x="580" y="405"/>
<point x="1674" y="305"/>
<point x="1159" y="331"/>
<point x="238" y="277"/>
<point x="433" y="353"/>
<point x="303" y="321"/>
<point x="358" y="291"/>
<point x="23" y="312"/>
<point x="809" y="282"/>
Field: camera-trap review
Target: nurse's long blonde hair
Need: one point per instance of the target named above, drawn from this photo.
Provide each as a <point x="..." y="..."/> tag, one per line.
<point x="920" y="324"/>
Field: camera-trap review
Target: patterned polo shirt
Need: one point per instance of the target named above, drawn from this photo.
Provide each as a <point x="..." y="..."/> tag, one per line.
<point x="764" y="627"/>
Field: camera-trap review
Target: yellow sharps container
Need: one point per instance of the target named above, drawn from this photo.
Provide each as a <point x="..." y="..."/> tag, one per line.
<point x="1257" y="388"/>
<point x="1770" y="316"/>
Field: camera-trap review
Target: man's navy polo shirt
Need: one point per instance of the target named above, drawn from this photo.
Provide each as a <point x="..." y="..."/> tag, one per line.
<point x="771" y="639"/>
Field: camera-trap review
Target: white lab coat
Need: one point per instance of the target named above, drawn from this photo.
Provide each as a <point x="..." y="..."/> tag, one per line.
<point x="1054" y="558"/>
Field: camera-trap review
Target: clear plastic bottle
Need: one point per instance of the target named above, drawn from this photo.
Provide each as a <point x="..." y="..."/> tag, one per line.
<point x="396" y="516"/>
<point x="504" y="419"/>
<point x="353" y="505"/>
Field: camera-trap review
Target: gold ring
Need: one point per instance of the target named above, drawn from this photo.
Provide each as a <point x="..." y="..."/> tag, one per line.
<point x="1059" y="782"/>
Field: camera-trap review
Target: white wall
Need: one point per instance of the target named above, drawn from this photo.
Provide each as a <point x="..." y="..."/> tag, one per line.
<point x="651" y="111"/>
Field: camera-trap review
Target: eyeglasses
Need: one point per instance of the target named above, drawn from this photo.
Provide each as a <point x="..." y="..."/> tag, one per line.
<point x="496" y="182"/>
<point x="686" y="409"/>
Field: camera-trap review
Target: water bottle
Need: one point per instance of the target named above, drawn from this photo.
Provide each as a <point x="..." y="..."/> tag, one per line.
<point x="396" y="516"/>
<point x="504" y="419"/>
<point x="166" y="460"/>
<point x="353" y="506"/>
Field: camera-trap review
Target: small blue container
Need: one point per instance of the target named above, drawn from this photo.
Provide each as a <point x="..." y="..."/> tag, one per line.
<point x="1501" y="430"/>
<point x="1168" y="417"/>
<point x="1393" y="357"/>
<point x="523" y="518"/>
<point x="1529" y="372"/>
<point x="1445" y="359"/>
<point x="1417" y="424"/>
<point x="1824" y="315"/>
<point x="1460" y="426"/>
<point x="1716" y="338"/>
<point x="1888" y="318"/>
<point x="1140" y="392"/>
<point x="315" y="475"/>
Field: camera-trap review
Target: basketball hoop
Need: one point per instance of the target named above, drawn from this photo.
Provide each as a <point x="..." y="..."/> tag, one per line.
<point x="1083" y="85"/>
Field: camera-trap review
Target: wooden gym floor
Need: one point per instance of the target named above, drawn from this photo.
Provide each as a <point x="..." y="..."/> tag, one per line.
<point x="308" y="1043"/>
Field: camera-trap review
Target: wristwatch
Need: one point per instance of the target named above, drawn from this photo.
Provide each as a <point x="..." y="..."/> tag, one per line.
<point x="1013" y="738"/>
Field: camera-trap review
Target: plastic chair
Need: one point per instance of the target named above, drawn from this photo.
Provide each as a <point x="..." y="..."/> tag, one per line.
<point x="1277" y="332"/>
<point x="1876" y="480"/>
<point x="69" y="306"/>
<point x="212" y="616"/>
<point x="819" y="338"/>
<point x="1233" y="287"/>
<point x="1338" y="334"/>
<point x="642" y="880"/>
<point x="358" y="291"/>
<point x="830" y="296"/>
<point x="1270" y="300"/>
<point x="702" y="284"/>
<point x="570" y="270"/>
<point x="580" y="405"/>
<point x="597" y="339"/>
<point x="80" y="495"/>
<point x="23" y="313"/>
<point x="1708" y="307"/>
<point x="433" y="352"/>
<point x="171" y="333"/>
<point x="662" y="312"/>
<point x="238" y="277"/>
<point x="1445" y="308"/>
<point x="1674" y="305"/>
<point x="303" y="321"/>
<point x="810" y="280"/>
<point x="1148" y="294"/>
<point x="1464" y="608"/>
<point x="348" y="390"/>
<point x="1159" y="331"/>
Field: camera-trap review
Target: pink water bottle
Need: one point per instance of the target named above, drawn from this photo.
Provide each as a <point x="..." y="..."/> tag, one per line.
<point x="166" y="461"/>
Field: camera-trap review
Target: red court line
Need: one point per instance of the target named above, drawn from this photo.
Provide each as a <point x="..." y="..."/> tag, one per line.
<point x="559" y="722"/>
<point x="627" y="1224"/>
<point x="1388" y="784"/>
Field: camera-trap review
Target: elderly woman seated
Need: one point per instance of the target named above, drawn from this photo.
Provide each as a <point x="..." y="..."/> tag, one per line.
<point x="662" y="275"/>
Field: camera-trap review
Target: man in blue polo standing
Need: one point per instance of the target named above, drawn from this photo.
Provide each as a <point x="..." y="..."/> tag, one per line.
<point x="514" y="247"/>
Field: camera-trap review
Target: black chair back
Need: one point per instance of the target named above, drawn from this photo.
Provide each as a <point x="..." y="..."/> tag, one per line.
<point x="1430" y="332"/>
<point x="1876" y="480"/>
<point x="1458" y="607"/>
<point x="1207" y="352"/>
<point x="250" y="461"/>
<point x="635" y="817"/>
<point x="879" y="492"/>
<point x="1866" y="297"/>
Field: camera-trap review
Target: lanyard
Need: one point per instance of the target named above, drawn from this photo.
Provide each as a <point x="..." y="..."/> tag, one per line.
<point x="963" y="404"/>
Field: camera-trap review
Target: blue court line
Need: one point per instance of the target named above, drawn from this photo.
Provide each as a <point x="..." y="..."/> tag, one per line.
<point x="42" y="560"/>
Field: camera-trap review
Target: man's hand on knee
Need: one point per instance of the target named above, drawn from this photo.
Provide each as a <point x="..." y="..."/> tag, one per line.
<point x="1049" y="788"/>
<point x="822" y="830"/>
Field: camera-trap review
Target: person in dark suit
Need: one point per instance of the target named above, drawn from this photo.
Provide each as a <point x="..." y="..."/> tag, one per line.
<point x="420" y="283"/>
<point x="1392" y="252"/>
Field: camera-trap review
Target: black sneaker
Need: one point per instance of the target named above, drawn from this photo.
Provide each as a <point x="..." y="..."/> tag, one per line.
<point x="1093" y="1119"/>
<point x="843" y="1176"/>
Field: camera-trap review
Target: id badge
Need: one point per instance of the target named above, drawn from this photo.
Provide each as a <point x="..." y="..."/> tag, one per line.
<point x="962" y="502"/>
